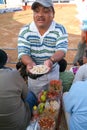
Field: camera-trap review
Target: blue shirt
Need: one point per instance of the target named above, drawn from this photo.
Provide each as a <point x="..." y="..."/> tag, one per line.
<point x="75" y="102"/>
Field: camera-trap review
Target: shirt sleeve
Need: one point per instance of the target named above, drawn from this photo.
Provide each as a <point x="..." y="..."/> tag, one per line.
<point x="23" y="43"/>
<point x="62" y="41"/>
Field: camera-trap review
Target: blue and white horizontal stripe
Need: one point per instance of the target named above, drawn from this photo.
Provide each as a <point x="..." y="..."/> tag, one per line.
<point x="39" y="47"/>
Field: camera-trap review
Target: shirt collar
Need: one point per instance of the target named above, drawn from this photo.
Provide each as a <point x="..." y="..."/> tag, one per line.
<point x="34" y="28"/>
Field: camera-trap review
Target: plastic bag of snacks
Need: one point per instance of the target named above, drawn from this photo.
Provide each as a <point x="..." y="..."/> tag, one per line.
<point x="46" y="123"/>
<point x="55" y="85"/>
<point x="33" y="126"/>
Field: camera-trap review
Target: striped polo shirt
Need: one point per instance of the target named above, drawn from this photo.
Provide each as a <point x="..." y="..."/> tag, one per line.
<point x="38" y="47"/>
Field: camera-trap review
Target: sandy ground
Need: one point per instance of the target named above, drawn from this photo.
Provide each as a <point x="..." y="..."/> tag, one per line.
<point x="10" y="24"/>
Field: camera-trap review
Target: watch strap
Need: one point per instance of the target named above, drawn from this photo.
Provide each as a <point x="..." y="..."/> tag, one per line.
<point x="52" y="59"/>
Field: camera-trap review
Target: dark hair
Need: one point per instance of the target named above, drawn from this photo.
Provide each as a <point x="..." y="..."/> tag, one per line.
<point x="63" y="64"/>
<point x="37" y="4"/>
<point x="22" y="69"/>
<point x="80" y="61"/>
<point x="3" y="58"/>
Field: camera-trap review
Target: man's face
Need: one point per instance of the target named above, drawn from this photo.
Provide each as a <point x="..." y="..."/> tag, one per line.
<point x="43" y="17"/>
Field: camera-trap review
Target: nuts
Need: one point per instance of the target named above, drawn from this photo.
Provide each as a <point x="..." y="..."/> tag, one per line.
<point x="46" y="122"/>
<point x="39" y="69"/>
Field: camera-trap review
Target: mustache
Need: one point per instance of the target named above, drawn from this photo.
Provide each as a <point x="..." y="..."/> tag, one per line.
<point x="40" y="18"/>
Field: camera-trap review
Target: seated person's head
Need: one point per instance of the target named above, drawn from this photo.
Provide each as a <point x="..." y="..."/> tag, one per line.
<point x="63" y="64"/>
<point x="80" y="62"/>
<point x="85" y="57"/>
<point x="3" y="58"/>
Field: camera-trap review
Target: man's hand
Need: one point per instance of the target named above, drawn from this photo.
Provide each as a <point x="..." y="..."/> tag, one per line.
<point x="27" y="60"/>
<point x="30" y="66"/>
<point x="49" y="64"/>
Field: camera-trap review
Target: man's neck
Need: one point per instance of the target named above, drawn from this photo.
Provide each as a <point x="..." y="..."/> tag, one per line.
<point x="42" y="31"/>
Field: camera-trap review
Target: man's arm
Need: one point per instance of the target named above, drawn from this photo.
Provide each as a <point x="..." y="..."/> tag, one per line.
<point x="27" y="60"/>
<point x="57" y="56"/>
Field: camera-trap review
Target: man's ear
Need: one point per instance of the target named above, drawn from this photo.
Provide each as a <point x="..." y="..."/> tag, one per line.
<point x="52" y="15"/>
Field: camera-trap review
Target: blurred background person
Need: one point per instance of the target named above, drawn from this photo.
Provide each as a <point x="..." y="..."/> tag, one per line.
<point x="82" y="44"/>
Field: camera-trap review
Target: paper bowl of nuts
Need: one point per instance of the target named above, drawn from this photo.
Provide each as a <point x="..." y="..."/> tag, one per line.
<point x="46" y="123"/>
<point x="39" y="69"/>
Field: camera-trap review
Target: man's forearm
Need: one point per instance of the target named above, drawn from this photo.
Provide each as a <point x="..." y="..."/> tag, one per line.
<point x="57" y="56"/>
<point x="27" y="59"/>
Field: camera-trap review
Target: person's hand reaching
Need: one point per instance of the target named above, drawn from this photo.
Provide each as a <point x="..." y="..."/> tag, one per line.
<point x="49" y="64"/>
<point x="30" y="66"/>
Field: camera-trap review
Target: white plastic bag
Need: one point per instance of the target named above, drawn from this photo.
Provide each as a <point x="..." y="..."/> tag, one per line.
<point x="33" y="126"/>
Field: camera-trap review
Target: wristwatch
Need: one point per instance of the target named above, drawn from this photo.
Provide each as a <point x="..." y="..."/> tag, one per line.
<point x="52" y="59"/>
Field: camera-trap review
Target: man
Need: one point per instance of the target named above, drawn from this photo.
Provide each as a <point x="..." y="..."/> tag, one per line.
<point x="75" y="104"/>
<point x="82" y="44"/>
<point x="42" y="42"/>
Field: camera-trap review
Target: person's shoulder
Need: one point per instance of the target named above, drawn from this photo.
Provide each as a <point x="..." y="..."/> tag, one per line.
<point x="79" y="83"/>
<point x="11" y="72"/>
<point x="14" y="70"/>
<point x="81" y="44"/>
<point x="80" y="86"/>
<point x="16" y="74"/>
<point x="84" y="66"/>
<point x="25" y="28"/>
<point x="60" y="27"/>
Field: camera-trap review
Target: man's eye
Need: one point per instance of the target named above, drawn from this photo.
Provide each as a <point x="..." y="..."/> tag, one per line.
<point x="36" y="11"/>
<point x="46" y="10"/>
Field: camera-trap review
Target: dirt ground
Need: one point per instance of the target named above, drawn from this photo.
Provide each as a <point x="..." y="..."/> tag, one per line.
<point x="10" y="24"/>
